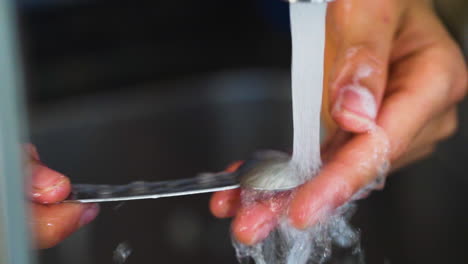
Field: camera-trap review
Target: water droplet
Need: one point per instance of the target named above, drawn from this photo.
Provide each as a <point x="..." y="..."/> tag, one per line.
<point x="122" y="252"/>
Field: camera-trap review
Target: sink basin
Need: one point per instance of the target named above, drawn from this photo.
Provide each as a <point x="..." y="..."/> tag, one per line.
<point x="175" y="129"/>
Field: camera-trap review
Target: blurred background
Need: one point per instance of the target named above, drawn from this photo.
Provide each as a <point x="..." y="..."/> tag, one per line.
<point x="120" y="91"/>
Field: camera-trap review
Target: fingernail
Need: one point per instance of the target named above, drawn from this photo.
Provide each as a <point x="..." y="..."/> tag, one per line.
<point x="356" y="100"/>
<point x="88" y="215"/>
<point x="44" y="179"/>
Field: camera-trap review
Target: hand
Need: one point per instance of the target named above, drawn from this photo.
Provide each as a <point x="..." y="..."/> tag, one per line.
<point x="53" y="222"/>
<point x="395" y="78"/>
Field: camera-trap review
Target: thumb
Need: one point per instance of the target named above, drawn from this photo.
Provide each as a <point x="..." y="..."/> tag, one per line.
<point x="47" y="186"/>
<point x="53" y="223"/>
<point x="361" y="32"/>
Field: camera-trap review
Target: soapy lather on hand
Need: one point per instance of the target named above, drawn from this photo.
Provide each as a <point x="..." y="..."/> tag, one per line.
<point x="393" y="78"/>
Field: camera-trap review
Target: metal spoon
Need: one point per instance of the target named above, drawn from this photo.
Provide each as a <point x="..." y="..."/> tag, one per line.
<point x="264" y="171"/>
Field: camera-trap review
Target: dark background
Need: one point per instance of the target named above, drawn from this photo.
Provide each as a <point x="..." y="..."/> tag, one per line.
<point x="120" y="91"/>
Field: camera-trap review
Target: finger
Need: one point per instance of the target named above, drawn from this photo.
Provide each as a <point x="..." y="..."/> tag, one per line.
<point x="253" y="223"/>
<point x="48" y="186"/>
<point x="428" y="76"/>
<point x="419" y="92"/>
<point x="31" y="150"/>
<point x="362" y="32"/>
<point x="256" y="219"/>
<point x="440" y="128"/>
<point x="225" y="203"/>
<point x="352" y="167"/>
<point x="425" y="142"/>
<point x="234" y="166"/>
<point x="413" y="156"/>
<point x="53" y="223"/>
<point x="333" y="144"/>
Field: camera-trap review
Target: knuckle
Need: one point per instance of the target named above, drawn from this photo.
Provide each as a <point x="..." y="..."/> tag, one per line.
<point x="425" y="153"/>
<point x="413" y="156"/>
<point x="357" y="62"/>
<point x="459" y="73"/>
<point x="461" y="89"/>
<point x="450" y="73"/>
<point x="399" y="149"/>
<point x="450" y="126"/>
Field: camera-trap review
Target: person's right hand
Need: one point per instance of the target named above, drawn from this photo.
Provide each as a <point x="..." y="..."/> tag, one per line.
<point x="51" y="221"/>
<point x="395" y="78"/>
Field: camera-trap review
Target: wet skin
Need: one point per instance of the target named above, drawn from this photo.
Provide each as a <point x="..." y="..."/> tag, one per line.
<point x="394" y="78"/>
<point x="52" y="222"/>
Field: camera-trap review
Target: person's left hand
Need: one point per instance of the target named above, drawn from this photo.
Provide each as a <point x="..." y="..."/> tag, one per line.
<point x="52" y="222"/>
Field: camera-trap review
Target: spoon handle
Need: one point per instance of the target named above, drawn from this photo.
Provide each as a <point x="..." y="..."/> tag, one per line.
<point x="202" y="183"/>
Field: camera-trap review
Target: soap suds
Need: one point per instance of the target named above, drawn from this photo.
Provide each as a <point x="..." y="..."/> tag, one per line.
<point x="362" y="72"/>
<point x="364" y="101"/>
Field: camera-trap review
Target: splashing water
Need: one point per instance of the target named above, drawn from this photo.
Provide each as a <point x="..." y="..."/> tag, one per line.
<point x="122" y="252"/>
<point x="286" y="244"/>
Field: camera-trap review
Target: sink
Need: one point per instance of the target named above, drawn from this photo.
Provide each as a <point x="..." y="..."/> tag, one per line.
<point x="177" y="128"/>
